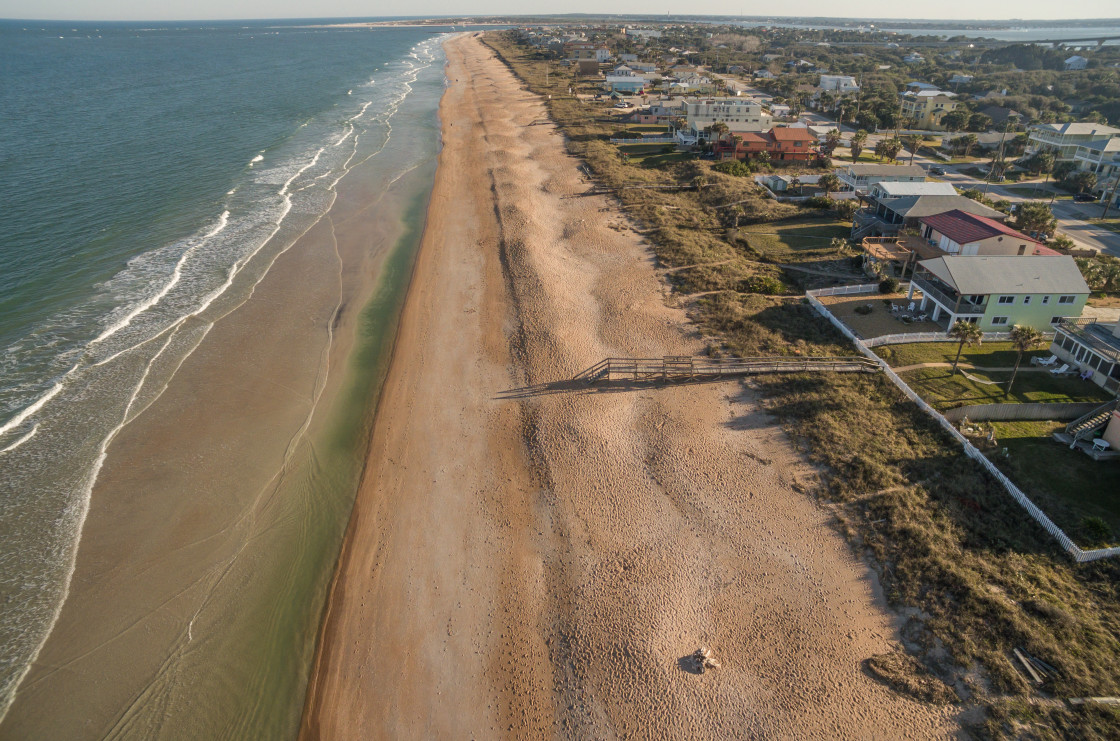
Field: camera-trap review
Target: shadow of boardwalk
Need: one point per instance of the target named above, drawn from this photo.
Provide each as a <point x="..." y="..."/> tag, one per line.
<point x="603" y="386"/>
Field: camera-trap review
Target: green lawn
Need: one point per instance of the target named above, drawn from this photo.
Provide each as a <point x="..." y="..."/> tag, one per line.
<point x="1112" y="225"/>
<point x="796" y="241"/>
<point x="1039" y="193"/>
<point x="943" y="390"/>
<point x="645" y="128"/>
<point x="985" y="355"/>
<point x="1067" y="484"/>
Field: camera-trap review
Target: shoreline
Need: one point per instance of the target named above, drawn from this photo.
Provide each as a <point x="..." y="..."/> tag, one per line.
<point x="216" y="504"/>
<point x="525" y="562"/>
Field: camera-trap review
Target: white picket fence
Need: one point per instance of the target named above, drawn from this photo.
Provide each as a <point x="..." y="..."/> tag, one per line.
<point x="1079" y="555"/>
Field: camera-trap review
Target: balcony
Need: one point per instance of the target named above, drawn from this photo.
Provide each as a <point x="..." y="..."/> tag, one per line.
<point x="947" y="297"/>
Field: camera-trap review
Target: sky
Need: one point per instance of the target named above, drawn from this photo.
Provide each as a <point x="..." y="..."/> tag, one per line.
<point x="246" y="9"/>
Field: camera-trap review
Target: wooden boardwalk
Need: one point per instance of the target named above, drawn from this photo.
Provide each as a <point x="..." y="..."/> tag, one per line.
<point x="687" y="368"/>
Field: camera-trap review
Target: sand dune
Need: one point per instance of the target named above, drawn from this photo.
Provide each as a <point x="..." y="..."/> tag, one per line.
<point x="533" y="564"/>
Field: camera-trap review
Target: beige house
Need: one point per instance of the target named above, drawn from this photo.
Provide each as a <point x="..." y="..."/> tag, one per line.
<point x="926" y="108"/>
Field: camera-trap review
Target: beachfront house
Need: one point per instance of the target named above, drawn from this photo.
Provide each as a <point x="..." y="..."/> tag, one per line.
<point x="860" y="177"/>
<point x="1064" y="139"/>
<point x="958" y="232"/>
<point x="1090" y="344"/>
<point x="1076" y="62"/>
<point x="887" y="216"/>
<point x="999" y="291"/>
<point x="781" y="143"/>
<point x="740" y="116"/>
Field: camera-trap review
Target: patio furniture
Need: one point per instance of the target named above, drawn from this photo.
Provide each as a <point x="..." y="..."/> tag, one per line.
<point x="911" y="306"/>
<point x="1060" y="371"/>
<point x="1086" y="374"/>
<point x="1048" y="361"/>
<point x="922" y="317"/>
<point x="1101" y="444"/>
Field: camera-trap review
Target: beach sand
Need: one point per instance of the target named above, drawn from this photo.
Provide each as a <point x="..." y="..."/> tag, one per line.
<point x="525" y="560"/>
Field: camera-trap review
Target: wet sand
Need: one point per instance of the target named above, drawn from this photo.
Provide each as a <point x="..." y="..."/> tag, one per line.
<point x="525" y="560"/>
<point x="217" y="517"/>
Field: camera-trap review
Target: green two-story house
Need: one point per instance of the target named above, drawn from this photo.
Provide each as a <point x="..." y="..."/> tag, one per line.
<point x="999" y="291"/>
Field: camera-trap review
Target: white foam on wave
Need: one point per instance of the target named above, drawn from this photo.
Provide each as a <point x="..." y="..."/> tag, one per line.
<point x="256" y="159"/>
<point x="176" y="276"/>
<point x="287" y="190"/>
<point x="21" y="441"/>
<point x="35" y="406"/>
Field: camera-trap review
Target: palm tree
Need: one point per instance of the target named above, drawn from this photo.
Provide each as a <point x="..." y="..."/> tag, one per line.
<point x="857" y="142"/>
<point x="968" y="333"/>
<point x="796" y="183"/>
<point x="1023" y="338"/>
<point x="828" y="182"/>
<point x="719" y="128"/>
<point x="913" y="142"/>
<point x="831" y="141"/>
<point x="968" y="141"/>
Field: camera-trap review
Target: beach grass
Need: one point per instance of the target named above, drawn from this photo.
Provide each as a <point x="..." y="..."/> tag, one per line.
<point x="797" y="241"/>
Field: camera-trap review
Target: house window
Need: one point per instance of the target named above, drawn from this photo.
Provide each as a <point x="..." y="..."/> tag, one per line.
<point x="1045" y="299"/>
<point x="1026" y="300"/>
<point x="1066" y="299"/>
<point x="1067" y="342"/>
<point x="1056" y="319"/>
<point x="1007" y="299"/>
<point x="998" y="321"/>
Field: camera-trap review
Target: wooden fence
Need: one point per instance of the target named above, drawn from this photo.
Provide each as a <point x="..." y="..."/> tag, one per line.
<point x="1077" y="553"/>
<point x="983" y="412"/>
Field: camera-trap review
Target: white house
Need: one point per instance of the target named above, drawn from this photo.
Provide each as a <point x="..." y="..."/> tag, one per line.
<point x="838" y="84"/>
<point x="740" y="115"/>
<point x="1077" y="62"/>
<point x="913" y="58"/>
<point x="960" y="79"/>
<point x="1064" y="139"/>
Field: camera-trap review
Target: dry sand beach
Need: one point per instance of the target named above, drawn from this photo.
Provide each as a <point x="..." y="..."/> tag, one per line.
<point x="530" y="561"/>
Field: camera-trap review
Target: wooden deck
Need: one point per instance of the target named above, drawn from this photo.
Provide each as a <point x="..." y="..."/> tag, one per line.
<point x="686" y="368"/>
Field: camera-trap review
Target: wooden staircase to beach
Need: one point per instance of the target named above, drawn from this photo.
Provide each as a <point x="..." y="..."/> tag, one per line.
<point x="688" y="368"/>
<point x="1084" y="427"/>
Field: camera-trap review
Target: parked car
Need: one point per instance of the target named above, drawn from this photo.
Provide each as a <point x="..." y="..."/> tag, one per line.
<point x="1084" y="197"/>
<point x="935" y="170"/>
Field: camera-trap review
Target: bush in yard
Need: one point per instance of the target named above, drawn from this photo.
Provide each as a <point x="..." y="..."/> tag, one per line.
<point x="888" y="285"/>
<point x="818" y="202"/>
<point x="733" y="167"/>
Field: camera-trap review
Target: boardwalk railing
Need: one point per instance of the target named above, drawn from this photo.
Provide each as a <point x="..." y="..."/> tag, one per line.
<point x="681" y="368"/>
<point x="1078" y="554"/>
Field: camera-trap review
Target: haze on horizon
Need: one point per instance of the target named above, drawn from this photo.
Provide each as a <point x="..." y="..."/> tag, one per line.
<point x="191" y="10"/>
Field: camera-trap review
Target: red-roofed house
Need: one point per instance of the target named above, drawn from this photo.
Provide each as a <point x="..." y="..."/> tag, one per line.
<point x="789" y="143"/>
<point x="957" y="232"/>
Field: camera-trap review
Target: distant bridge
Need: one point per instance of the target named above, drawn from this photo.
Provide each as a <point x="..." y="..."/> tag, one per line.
<point x="1098" y="40"/>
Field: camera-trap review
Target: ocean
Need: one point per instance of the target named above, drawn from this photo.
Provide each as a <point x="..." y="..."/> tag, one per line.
<point x="150" y="176"/>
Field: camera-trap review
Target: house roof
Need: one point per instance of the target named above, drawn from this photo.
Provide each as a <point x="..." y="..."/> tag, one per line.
<point x="895" y="190"/>
<point x="965" y="228"/>
<point x="875" y="170"/>
<point x="1080" y="129"/>
<point x="792" y="134"/>
<point x="981" y="275"/>
<point x="914" y="207"/>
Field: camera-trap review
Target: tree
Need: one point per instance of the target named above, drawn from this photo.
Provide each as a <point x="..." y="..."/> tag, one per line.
<point x="829" y="182"/>
<point x="1044" y="161"/>
<point x="796" y="183"/>
<point x="846" y="208"/>
<point x="968" y="141"/>
<point x="1023" y="338"/>
<point x="968" y="334"/>
<point x="719" y="128"/>
<point x="856" y="144"/>
<point x="979" y="122"/>
<point x="913" y="142"/>
<point x="894" y="146"/>
<point x="1035" y="216"/>
<point x="1083" y="180"/>
<point x="955" y="120"/>
<point x="998" y="167"/>
<point x="831" y="142"/>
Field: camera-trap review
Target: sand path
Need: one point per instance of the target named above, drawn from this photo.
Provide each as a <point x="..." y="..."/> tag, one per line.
<point x="539" y="566"/>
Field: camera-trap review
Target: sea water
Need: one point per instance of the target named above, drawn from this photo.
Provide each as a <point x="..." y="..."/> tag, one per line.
<point x="148" y="176"/>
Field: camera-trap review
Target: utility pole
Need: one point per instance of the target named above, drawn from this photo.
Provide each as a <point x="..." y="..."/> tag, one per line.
<point x="1111" y="196"/>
